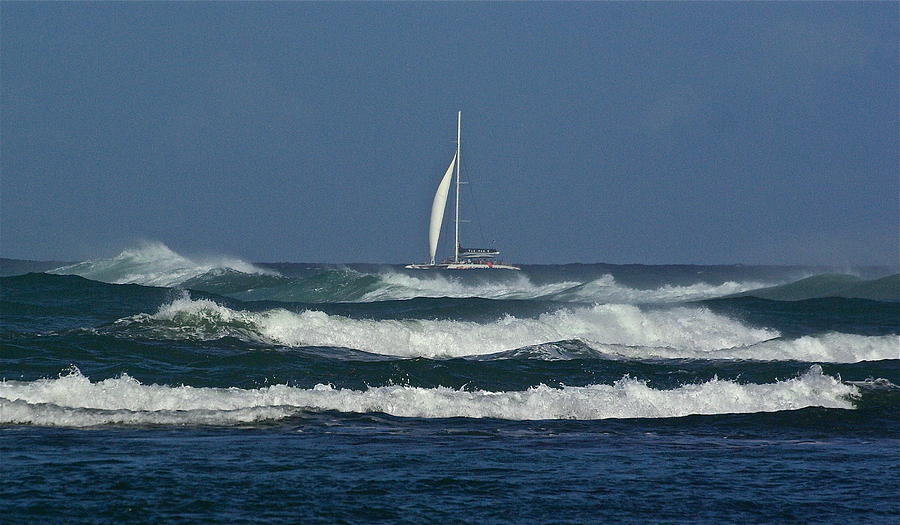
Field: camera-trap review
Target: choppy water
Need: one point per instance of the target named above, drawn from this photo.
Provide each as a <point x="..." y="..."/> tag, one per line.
<point x="153" y="386"/>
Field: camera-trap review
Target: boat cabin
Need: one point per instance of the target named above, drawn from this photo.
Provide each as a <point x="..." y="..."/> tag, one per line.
<point x="478" y="253"/>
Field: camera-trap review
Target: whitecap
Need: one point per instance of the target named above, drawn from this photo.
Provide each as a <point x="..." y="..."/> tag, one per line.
<point x="155" y="264"/>
<point x="73" y="400"/>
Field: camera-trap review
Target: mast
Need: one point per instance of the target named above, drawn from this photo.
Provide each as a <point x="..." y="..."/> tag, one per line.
<point x="456" y="243"/>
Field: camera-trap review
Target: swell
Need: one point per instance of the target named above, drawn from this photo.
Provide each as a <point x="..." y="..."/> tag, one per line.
<point x="833" y="285"/>
<point x="803" y="317"/>
<point x="233" y="362"/>
<point x="628" y="331"/>
<point x="348" y="285"/>
<point x="59" y="301"/>
<point x="73" y="400"/>
<point x="817" y="330"/>
<point x="203" y="319"/>
<point x="155" y="264"/>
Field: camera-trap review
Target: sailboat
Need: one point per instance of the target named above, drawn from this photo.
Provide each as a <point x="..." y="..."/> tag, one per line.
<point x="463" y="258"/>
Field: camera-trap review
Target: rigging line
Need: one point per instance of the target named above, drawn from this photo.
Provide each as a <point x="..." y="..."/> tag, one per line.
<point x="475" y="214"/>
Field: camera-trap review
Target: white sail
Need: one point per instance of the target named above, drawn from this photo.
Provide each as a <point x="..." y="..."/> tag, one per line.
<point x="470" y="258"/>
<point x="437" y="210"/>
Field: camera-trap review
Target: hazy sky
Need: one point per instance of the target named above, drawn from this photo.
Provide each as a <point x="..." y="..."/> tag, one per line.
<point x="592" y="132"/>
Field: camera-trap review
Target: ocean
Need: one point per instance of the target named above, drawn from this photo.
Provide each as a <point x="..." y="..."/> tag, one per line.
<point x="155" y="387"/>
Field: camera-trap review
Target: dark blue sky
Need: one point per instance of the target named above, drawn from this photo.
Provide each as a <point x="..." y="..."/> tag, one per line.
<point x="614" y="132"/>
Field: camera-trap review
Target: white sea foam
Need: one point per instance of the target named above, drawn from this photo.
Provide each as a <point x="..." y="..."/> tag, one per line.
<point x="607" y="290"/>
<point x="73" y="400"/>
<point x="398" y="286"/>
<point x="604" y="289"/>
<point x="44" y="414"/>
<point x="833" y="347"/>
<point x="614" y="329"/>
<point x="154" y="264"/>
<point x="694" y="328"/>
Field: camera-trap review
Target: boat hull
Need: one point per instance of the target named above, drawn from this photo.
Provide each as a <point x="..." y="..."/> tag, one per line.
<point x="462" y="266"/>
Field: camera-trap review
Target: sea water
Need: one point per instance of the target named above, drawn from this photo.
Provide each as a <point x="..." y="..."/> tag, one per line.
<point x="156" y="387"/>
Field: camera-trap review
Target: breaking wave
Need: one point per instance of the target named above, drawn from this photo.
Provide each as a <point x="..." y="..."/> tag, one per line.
<point x="154" y="264"/>
<point x="73" y="400"/>
<point x="606" y="289"/>
<point x="398" y="286"/>
<point x="611" y="329"/>
<point x="679" y="327"/>
<point x="353" y="286"/>
<point x="45" y="414"/>
<point x="833" y="347"/>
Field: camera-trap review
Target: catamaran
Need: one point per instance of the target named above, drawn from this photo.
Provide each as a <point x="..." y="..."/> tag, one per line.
<point x="463" y="258"/>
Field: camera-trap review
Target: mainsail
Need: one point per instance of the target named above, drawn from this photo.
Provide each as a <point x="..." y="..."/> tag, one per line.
<point x="437" y="210"/>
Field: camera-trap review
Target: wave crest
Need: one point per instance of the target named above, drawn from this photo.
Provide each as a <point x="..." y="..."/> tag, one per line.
<point x="833" y="347"/>
<point x="73" y="400"/>
<point x="154" y="264"/>
<point x="694" y="328"/>
<point x="607" y="330"/>
<point x="605" y="289"/>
